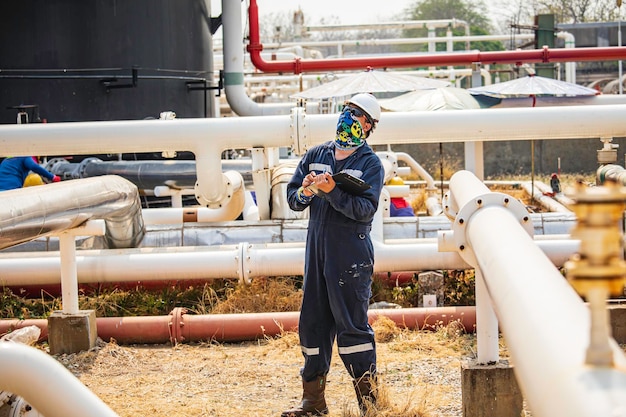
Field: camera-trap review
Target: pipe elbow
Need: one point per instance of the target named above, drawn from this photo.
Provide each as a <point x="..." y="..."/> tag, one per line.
<point x="230" y="193"/>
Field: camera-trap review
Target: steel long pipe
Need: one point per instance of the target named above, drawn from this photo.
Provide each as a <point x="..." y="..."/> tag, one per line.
<point x="182" y="327"/>
<point x="525" y="288"/>
<point x="243" y="261"/>
<point x="50" y="388"/>
<point x="543" y="55"/>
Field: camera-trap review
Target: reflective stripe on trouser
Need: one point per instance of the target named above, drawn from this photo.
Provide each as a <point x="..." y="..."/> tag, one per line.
<point x="337" y="288"/>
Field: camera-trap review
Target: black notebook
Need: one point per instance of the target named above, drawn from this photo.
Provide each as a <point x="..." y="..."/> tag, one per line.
<point x="351" y="184"/>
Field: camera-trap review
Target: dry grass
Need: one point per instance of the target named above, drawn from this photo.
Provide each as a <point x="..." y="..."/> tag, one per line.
<point x="419" y="376"/>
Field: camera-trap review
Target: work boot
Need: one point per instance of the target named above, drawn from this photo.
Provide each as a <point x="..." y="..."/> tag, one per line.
<point x="313" y="402"/>
<point x="365" y="388"/>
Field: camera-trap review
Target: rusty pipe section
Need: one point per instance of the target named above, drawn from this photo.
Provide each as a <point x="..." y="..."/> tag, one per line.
<point x="179" y="326"/>
<point x="32" y="212"/>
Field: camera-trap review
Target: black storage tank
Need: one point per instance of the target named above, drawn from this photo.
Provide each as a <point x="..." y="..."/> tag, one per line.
<point x="92" y="60"/>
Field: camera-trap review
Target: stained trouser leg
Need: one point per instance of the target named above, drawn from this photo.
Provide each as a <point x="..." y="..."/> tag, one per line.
<point x="316" y="326"/>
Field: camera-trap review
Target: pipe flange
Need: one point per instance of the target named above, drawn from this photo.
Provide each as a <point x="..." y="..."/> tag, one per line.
<point x="176" y="325"/>
<point x="246" y="264"/>
<point x="449" y="208"/>
<point x="53" y="163"/>
<point x="297" y="118"/>
<point x="229" y="190"/>
<point x="82" y="167"/>
<point x="486" y="200"/>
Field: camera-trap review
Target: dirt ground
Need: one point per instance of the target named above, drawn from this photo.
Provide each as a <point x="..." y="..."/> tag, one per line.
<point x="419" y="372"/>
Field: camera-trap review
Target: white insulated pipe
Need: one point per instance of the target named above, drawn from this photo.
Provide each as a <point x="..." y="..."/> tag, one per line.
<point x="539" y="194"/>
<point x="475" y="125"/>
<point x="206" y="138"/>
<point x="244" y="261"/>
<point x="234" y="89"/>
<point x="50" y="388"/>
<point x="525" y="289"/>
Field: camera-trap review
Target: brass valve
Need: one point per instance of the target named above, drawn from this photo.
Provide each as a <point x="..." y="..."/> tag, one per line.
<point x="600" y="259"/>
<point x="598" y="269"/>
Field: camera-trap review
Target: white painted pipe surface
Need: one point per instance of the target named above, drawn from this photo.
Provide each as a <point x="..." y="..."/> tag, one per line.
<point x="69" y="278"/>
<point x="547" y="202"/>
<point x="225" y="261"/>
<point x="46" y="384"/>
<point x="525" y="289"/>
<point x="487" y="332"/>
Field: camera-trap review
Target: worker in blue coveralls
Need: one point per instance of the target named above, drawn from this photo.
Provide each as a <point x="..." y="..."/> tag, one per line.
<point x="339" y="257"/>
<point x="15" y="169"/>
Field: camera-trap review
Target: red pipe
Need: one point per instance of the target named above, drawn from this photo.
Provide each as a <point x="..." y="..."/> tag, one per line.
<point x="396" y="279"/>
<point x="545" y="54"/>
<point x="181" y="327"/>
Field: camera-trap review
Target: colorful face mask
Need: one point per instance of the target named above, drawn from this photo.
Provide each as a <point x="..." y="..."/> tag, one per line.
<point x="350" y="133"/>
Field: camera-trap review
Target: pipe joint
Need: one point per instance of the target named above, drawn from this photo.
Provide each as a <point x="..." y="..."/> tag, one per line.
<point x="545" y="54"/>
<point x="475" y="205"/>
<point x="176" y="325"/>
<point x="298" y="130"/>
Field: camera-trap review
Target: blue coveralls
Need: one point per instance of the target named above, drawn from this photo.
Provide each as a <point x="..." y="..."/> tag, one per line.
<point x="339" y="263"/>
<point x="15" y="169"/>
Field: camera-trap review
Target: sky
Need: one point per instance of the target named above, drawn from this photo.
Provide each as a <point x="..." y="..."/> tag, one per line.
<point x="348" y="12"/>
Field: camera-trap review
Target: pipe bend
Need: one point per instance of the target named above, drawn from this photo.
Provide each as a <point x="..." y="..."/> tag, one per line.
<point x="229" y="200"/>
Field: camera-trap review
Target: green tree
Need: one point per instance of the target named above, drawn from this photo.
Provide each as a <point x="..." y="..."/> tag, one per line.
<point x="565" y="11"/>
<point x="468" y="14"/>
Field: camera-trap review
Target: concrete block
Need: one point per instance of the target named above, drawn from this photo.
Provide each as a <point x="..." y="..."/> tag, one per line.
<point x="430" y="289"/>
<point x="72" y="333"/>
<point x="490" y="390"/>
<point x="617" y="315"/>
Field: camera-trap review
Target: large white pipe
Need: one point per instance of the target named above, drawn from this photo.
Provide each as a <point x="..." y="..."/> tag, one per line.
<point x="46" y="384"/>
<point x="523" y="286"/>
<point x="212" y="136"/>
<point x="539" y="194"/>
<point x="234" y="89"/>
<point x="206" y="138"/>
<point x="243" y="261"/>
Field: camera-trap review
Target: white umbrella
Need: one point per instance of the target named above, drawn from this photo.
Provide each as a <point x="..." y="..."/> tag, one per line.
<point x="449" y="98"/>
<point x="533" y="86"/>
<point x="370" y="81"/>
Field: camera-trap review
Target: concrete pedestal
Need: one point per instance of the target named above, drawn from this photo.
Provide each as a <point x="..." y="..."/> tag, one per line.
<point x="72" y="333"/>
<point x="490" y="390"/>
<point x="618" y="322"/>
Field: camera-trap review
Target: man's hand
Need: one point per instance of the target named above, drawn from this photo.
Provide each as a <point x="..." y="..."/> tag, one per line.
<point x="325" y="182"/>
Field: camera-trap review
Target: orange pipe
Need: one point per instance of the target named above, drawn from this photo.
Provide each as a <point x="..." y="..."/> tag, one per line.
<point x="181" y="327"/>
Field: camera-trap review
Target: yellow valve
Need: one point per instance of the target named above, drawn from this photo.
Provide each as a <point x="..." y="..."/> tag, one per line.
<point x="600" y="259"/>
<point x="598" y="269"/>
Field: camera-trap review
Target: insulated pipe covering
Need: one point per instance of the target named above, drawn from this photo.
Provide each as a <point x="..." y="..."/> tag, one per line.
<point x="30" y="212"/>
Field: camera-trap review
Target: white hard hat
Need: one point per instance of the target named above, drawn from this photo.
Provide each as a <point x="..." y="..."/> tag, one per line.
<point x="368" y="104"/>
